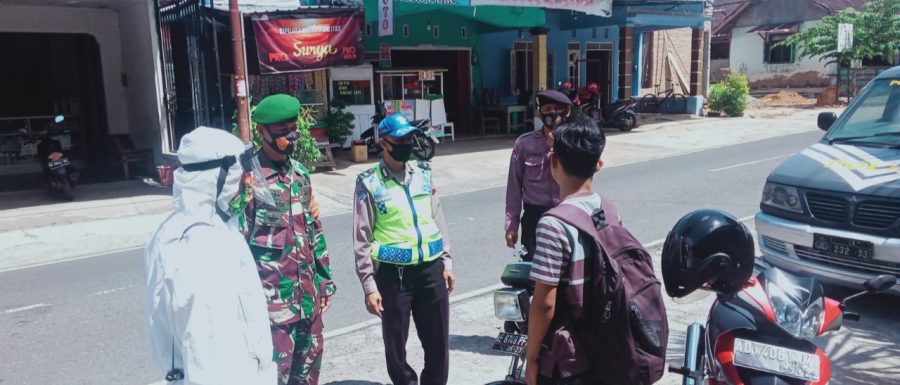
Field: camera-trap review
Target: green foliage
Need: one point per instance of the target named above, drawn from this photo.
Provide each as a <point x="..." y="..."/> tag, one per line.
<point x="305" y="152"/>
<point x="730" y="95"/>
<point x="876" y="31"/>
<point x="339" y="122"/>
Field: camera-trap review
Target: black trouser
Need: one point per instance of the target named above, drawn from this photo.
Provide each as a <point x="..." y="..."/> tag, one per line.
<point x="529" y="222"/>
<point x="421" y="291"/>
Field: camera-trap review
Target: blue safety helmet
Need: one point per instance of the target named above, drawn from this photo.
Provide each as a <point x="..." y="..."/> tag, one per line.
<point x="395" y="126"/>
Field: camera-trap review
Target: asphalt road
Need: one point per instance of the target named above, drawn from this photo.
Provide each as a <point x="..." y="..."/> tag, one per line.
<point x="80" y="322"/>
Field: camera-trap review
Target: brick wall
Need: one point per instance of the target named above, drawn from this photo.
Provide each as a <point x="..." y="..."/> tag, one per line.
<point x="677" y="41"/>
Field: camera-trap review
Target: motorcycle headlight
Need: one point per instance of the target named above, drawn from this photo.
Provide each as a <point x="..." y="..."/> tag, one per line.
<point x="796" y="319"/>
<point x="782" y="197"/>
<point x="511" y="304"/>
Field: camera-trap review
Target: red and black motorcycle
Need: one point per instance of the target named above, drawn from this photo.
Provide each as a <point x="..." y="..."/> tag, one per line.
<point x="760" y="325"/>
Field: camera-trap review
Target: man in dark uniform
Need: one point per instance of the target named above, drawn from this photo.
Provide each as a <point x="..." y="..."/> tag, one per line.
<point x="530" y="184"/>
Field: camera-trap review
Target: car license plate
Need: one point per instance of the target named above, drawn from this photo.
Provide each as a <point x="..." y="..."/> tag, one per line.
<point x="776" y="359"/>
<point x="510" y="343"/>
<point x="843" y="247"/>
<point x="58" y="163"/>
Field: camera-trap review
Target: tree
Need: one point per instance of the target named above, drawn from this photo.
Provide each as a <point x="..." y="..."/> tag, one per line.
<point x="876" y="32"/>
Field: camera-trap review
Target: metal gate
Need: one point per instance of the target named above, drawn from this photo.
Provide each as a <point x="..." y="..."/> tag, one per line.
<point x="191" y="73"/>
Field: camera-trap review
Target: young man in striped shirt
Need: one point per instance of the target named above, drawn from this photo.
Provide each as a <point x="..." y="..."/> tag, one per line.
<point x="560" y="252"/>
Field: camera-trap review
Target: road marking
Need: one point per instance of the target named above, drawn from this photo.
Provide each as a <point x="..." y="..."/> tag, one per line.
<point x="26" y="308"/>
<point x="88" y="256"/>
<point x="110" y="291"/>
<point x="750" y="163"/>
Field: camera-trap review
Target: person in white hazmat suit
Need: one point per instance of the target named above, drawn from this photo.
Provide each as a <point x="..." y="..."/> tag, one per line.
<point x="205" y="308"/>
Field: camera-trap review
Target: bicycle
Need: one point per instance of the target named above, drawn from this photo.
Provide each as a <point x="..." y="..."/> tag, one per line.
<point x="668" y="101"/>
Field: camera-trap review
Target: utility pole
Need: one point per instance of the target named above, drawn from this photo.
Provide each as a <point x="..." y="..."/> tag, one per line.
<point x="240" y="80"/>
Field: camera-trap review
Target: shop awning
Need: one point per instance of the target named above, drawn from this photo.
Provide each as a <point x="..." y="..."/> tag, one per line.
<point x="783" y="28"/>
<point x="491" y="18"/>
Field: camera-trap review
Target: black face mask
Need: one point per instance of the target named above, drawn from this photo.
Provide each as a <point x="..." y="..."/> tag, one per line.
<point x="550" y="120"/>
<point x="291" y="142"/>
<point x="401" y="152"/>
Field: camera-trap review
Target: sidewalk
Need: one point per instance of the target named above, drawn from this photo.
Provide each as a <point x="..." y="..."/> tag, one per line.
<point x="35" y="229"/>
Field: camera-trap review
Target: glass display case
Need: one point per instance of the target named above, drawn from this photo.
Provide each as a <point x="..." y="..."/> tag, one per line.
<point x="19" y="137"/>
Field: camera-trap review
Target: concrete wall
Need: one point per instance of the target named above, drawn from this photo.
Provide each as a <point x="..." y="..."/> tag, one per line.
<point x="140" y="58"/>
<point x="746" y="55"/>
<point x="747" y="58"/>
<point x="678" y="42"/>
<point x="103" y="25"/>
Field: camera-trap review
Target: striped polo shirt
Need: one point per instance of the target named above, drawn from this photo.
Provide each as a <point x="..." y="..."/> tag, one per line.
<point x="559" y="246"/>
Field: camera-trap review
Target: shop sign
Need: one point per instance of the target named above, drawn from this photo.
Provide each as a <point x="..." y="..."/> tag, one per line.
<point x="461" y="3"/>
<point x="404" y="107"/>
<point x="295" y="44"/>
<point x="590" y="7"/>
<point x="426" y="75"/>
<point x="385" y="17"/>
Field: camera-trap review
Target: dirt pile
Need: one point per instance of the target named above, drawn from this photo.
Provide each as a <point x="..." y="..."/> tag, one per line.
<point x="785" y="98"/>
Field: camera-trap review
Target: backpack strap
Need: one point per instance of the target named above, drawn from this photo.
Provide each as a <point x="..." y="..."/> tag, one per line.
<point x="579" y="219"/>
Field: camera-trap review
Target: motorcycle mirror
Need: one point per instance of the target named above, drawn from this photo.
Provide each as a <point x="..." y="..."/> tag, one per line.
<point x="59" y="118"/>
<point x="880" y="283"/>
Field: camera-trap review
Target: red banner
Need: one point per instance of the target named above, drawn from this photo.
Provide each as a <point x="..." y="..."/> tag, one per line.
<point x="290" y="45"/>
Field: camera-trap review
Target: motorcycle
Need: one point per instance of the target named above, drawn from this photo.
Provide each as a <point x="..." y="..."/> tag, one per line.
<point x="621" y="115"/>
<point x="760" y="334"/>
<point x="423" y="142"/>
<point x="60" y="176"/>
<point x="511" y="305"/>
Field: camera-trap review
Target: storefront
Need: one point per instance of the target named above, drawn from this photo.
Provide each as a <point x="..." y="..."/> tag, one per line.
<point x="288" y="51"/>
<point x="81" y="61"/>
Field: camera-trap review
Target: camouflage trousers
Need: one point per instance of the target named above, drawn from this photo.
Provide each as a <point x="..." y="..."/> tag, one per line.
<point x="298" y="351"/>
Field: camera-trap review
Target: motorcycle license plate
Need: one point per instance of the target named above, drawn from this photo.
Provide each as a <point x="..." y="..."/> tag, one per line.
<point x="510" y="343"/>
<point x="776" y="359"/>
<point x="843" y="247"/>
<point x="58" y="163"/>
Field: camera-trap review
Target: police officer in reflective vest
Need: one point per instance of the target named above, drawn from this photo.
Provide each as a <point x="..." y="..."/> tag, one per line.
<point x="403" y="255"/>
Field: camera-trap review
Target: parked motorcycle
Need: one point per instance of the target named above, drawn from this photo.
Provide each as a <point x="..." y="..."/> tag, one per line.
<point x="423" y="142"/>
<point x="621" y="114"/>
<point x="60" y="175"/>
<point x="368" y="135"/>
<point x="511" y="305"/>
<point x="760" y="334"/>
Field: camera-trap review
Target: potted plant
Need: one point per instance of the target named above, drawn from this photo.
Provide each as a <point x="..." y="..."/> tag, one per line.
<point x="339" y="123"/>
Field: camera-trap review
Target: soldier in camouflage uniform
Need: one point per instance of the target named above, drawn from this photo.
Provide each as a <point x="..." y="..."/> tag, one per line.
<point x="288" y="244"/>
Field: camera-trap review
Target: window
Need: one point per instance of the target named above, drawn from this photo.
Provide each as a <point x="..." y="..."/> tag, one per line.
<point x="405" y="30"/>
<point x="437" y="32"/>
<point x="573" y="61"/>
<point x="521" y="67"/>
<point x="777" y="54"/>
<point x="719" y="50"/>
<point x="464" y="32"/>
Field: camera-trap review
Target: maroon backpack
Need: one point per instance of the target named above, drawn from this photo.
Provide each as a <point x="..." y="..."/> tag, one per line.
<point x="623" y="327"/>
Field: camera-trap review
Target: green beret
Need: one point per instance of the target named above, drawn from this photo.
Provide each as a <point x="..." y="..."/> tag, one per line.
<point x="276" y="109"/>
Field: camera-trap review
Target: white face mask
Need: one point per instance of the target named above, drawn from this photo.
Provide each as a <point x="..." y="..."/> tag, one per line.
<point x="538" y="124"/>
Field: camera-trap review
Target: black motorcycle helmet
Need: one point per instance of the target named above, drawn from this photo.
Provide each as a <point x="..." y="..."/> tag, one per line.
<point x="707" y="247"/>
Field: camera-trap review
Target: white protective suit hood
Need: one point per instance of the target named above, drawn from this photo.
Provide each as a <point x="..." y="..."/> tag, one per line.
<point x="205" y="308"/>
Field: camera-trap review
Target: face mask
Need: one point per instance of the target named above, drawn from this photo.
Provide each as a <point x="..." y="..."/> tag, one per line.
<point x="401" y="152"/>
<point x="284" y="143"/>
<point x="551" y="120"/>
